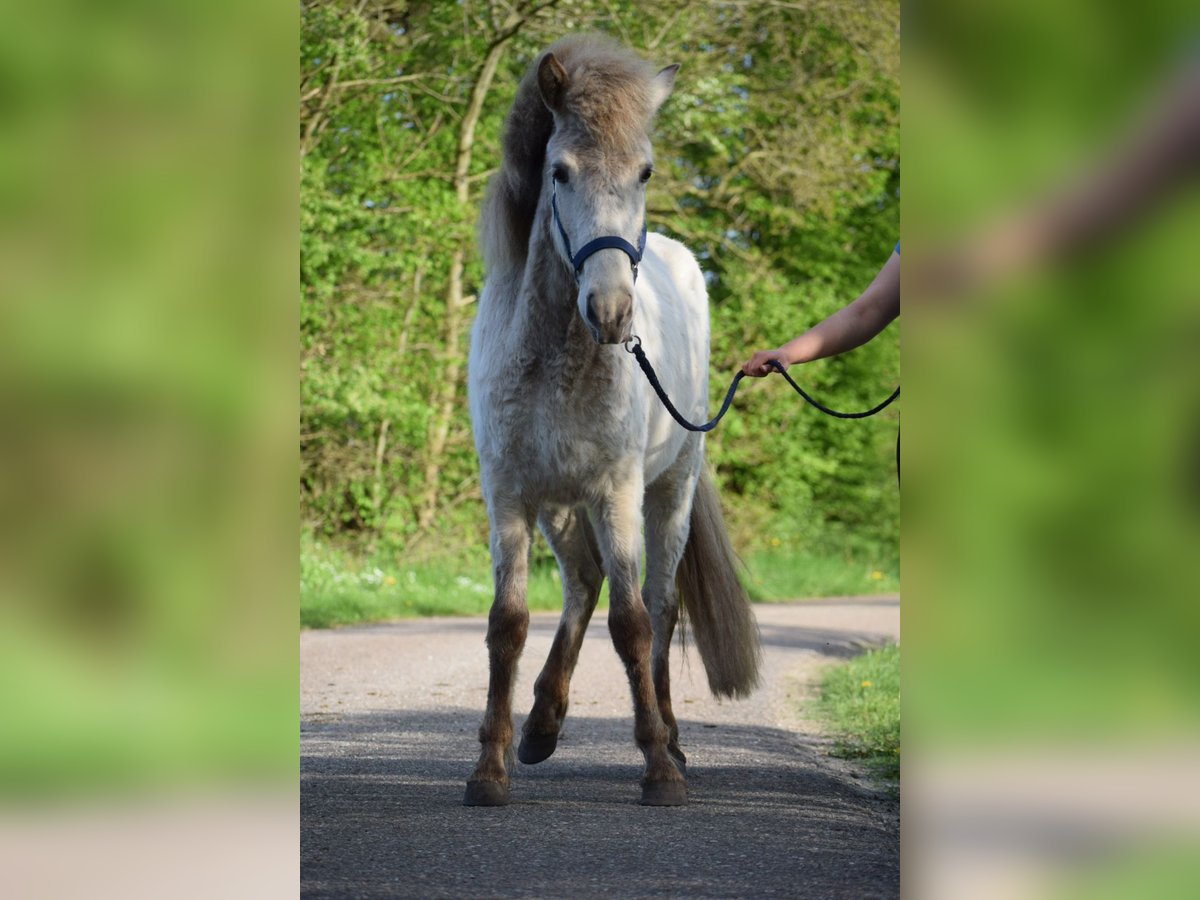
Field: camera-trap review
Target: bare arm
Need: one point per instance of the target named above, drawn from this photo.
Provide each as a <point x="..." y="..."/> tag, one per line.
<point x="846" y="329"/>
<point x="1158" y="157"/>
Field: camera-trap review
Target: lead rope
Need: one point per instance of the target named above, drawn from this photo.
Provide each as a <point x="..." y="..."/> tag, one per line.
<point x="640" y="356"/>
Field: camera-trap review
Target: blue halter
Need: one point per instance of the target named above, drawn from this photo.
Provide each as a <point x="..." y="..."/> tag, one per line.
<point x="601" y="243"/>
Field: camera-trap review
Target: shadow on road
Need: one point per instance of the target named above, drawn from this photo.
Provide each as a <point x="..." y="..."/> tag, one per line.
<point x="382" y="816"/>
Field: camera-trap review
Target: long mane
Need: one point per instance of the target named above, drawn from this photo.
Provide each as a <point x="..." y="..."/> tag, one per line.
<point x="610" y="96"/>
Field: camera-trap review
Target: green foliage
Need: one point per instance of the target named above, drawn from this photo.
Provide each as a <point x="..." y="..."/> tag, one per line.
<point x="861" y="703"/>
<point x="777" y="162"/>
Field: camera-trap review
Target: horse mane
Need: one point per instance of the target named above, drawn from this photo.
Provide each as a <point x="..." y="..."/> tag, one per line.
<point x="610" y="97"/>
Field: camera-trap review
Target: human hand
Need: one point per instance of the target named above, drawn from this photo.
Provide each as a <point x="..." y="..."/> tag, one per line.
<point x="760" y="363"/>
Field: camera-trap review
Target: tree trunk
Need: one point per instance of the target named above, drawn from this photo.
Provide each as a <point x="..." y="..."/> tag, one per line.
<point x="445" y="398"/>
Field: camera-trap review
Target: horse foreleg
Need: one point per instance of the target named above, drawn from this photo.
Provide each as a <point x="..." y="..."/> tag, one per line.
<point x="574" y="545"/>
<point x="632" y="635"/>
<point x="668" y="505"/>
<point x="508" y="624"/>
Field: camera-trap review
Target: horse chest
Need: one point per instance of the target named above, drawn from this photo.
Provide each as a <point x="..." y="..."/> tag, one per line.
<point x="551" y="443"/>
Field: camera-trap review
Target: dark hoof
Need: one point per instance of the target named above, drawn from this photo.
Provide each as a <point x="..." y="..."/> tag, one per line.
<point x="664" y="793"/>
<point x="678" y="757"/>
<point x="486" y="793"/>
<point x="536" y="747"/>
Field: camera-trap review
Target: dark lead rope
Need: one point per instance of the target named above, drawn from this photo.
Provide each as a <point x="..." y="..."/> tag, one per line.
<point x="833" y="412"/>
<point x="640" y="356"/>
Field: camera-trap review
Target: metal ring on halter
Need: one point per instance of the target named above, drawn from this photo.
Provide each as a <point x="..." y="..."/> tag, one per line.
<point x="632" y="338"/>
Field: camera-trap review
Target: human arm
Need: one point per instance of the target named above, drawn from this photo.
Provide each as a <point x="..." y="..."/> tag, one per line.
<point x="1100" y="200"/>
<point x="849" y="327"/>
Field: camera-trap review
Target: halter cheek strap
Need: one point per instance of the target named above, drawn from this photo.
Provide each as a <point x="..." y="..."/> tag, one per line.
<point x="610" y="241"/>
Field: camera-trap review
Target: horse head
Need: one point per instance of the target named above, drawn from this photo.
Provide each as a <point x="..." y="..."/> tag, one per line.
<point x="597" y="163"/>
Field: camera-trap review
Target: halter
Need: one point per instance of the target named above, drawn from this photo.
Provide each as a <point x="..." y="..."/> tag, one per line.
<point x="610" y="241"/>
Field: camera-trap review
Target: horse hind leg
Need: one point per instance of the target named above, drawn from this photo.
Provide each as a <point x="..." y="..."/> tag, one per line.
<point x="667" y="511"/>
<point x="508" y="624"/>
<point x="571" y="538"/>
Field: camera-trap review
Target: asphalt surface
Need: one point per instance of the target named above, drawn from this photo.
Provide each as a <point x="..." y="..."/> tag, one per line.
<point x="389" y="715"/>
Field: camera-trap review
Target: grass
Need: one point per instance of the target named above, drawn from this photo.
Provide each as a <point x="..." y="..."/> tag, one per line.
<point x="158" y="708"/>
<point x="337" y="588"/>
<point x="1164" y="867"/>
<point x="781" y="575"/>
<point x="860" y="702"/>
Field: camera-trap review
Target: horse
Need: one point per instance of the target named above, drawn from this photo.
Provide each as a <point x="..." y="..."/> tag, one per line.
<point x="567" y="432"/>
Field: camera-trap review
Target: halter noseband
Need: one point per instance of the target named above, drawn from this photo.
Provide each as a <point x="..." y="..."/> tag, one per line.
<point x="601" y="243"/>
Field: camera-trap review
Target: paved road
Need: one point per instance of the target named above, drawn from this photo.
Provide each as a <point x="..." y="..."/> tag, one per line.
<point x="388" y="721"/>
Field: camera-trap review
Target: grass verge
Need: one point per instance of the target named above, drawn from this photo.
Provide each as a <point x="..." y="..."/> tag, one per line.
<point x="860" y="702"/>
<point x="775" y="575"/>
<point x="338" y="588"/>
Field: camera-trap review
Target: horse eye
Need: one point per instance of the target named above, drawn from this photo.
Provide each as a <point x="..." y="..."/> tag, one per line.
<point x="646" y="173"/>
<point x="559" y="174"/>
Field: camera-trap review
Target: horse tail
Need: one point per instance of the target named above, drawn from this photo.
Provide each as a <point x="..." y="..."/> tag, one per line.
<point x="715" y="602"/>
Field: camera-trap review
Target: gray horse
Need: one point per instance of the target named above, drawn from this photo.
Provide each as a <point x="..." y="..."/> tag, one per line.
<point x="568" y="433"/>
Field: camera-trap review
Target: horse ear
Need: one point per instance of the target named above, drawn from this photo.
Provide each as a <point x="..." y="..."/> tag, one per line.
<point x="552" y="82"/>
<point x="664" y="81"/>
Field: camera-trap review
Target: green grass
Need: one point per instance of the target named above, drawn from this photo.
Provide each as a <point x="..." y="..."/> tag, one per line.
<point x="1161" y="867"/>
<point x="781" y="575"/>
<point x="860" y="702"/>
<point x="341" y="588"/>
<point x="82" y="717"/>
<point x="338" y="588"/>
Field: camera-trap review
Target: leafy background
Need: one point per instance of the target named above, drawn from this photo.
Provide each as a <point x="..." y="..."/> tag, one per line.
<point x="777" y="162"/>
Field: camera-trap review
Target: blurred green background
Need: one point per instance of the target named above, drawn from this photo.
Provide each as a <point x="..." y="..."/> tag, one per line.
<point x="1052" y="442"/>
<point x="147" y="397"/>
<point x="1051" y="508"/>
<point x="777" y="163"/>
<point x="149" y="234"/>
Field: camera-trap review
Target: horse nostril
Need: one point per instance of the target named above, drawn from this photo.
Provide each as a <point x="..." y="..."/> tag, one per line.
<point x="608" y="314"/>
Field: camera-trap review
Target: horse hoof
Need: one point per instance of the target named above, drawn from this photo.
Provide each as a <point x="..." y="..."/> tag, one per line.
<point x="664" y="793"/>
<point x="536" y="747"/>
<point x="486" y="793"/>
<point x="678" y="757"/>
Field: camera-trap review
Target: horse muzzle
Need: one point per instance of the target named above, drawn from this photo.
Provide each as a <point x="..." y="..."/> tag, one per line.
<point x="609" y="316"/>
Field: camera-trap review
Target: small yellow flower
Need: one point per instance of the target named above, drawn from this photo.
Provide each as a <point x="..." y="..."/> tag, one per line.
<point x="876" y="575"/>
<point x="389" y="581"/>
<point x="866" y="684"/>
<point x="775" y="542"/>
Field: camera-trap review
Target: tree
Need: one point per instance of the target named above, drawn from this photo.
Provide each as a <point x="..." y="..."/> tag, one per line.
<point x="778" y="163"/>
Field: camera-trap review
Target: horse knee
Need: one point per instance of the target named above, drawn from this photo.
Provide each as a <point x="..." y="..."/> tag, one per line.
<point x="507" y="629"/>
